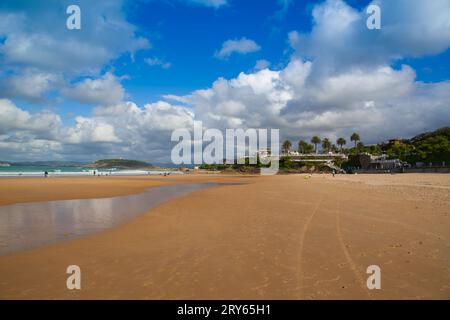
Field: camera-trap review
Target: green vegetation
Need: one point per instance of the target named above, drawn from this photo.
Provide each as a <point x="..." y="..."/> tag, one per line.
<point x="304" y="147"/>
<point x="355" y="138"/>
<point x="315" y="141"/>
<point x="429" y="147"/>
<point x="287" y="145"/>
<point x="214" y="167"/>
<point x="341" y="142"/>
<point x="326" y="145"/>
<point x="286" y="165"/>
<point x="359" y="146"/>
<point x="119" y="163"/>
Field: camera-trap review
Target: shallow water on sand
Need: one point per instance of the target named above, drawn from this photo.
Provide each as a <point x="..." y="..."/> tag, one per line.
<point x="31" y="225"/>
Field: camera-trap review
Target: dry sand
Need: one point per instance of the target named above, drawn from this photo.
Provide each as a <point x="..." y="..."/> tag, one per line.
<point x="281" y="237"/>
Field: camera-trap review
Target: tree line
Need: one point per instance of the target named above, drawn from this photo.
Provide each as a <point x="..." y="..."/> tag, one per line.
<point x="327" y="145"/>
<point x="428" y="147"/>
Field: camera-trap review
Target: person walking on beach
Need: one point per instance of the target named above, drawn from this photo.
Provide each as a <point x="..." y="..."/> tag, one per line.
<point x="45" y="174"/>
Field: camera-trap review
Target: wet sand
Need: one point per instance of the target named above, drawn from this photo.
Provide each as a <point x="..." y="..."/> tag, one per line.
<point x="281" y="237"/>
<point x="25" y="226"/>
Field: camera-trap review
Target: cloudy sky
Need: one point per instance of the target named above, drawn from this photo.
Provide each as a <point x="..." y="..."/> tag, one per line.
<point x="137" y="70"/>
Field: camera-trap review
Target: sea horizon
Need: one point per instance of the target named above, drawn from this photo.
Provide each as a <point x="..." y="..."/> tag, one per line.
<point x="35" y="171"/>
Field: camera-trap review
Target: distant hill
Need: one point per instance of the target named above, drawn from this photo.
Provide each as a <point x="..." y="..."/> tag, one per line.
<point x="119" y="164"/>
<point x="431" y="146"/>
<point x="443" y="132"/>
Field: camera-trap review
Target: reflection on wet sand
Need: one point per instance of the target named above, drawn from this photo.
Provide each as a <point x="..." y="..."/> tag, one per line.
<point x="31" y="225"/>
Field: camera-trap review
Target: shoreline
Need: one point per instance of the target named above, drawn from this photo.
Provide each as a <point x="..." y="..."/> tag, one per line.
<point x="280" y="237"/>
<point x="152" y="173"/>
<point x="123" y="173"/>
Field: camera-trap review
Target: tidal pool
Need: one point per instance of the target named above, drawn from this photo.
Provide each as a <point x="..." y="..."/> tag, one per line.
<point x="30" y="225"/>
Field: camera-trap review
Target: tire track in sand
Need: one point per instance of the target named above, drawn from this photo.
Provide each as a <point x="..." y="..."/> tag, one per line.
<point x="349" y="259"/>
<point x="300" y="251"/>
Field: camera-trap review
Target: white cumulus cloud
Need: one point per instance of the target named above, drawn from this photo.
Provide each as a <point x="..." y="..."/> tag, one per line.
<point x="101" y="91"/>
<point x="241" y="46"/>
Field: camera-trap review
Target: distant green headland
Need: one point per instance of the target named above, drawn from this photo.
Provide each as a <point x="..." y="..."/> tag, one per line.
<point x="118" y="163"/>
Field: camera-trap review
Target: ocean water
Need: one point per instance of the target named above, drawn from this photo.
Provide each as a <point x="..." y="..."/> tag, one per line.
<point x="36" y="171"/>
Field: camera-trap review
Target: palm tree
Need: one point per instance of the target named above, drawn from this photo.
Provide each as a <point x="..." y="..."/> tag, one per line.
<point x="341" y="142"/>
<point x="287" y="145"/>
<point x="334" y="148"/>
<point x="355" y="138"/>
<point x="302" y="146"/>
<point x="360" y="146"/>
<point x="315" y="141"/>
<point x="326" y="144"/>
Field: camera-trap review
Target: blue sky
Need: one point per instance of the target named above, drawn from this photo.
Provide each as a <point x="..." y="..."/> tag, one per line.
<point x="198" y="32"/>
<point x="137" y="70"/>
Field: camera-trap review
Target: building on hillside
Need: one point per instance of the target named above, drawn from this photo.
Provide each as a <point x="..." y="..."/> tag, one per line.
<point x="369" y="162"/>
<point x="386" y="164"/>
<point x="395" y="142"/>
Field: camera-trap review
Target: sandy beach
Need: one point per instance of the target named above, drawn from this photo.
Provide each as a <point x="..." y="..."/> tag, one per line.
<point x="278" y="237"/>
